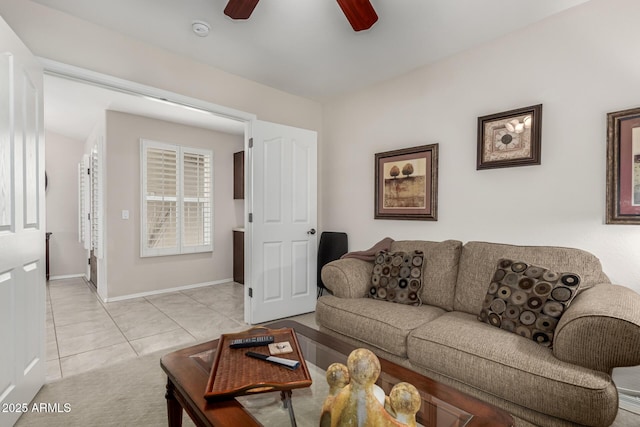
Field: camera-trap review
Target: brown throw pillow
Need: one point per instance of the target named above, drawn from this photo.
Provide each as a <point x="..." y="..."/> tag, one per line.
<point x="397" y="277"/>
<point x="528" y="300"/>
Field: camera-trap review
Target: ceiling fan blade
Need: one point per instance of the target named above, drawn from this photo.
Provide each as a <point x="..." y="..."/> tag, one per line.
<point x="240" y="9"/>
<point x="360" y="13"/>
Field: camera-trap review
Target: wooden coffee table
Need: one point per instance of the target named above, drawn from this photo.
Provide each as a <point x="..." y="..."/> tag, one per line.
<point x="188" y="372"/>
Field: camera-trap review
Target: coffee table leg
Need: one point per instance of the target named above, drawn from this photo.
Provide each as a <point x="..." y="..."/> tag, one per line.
<point x="286" y="401"/>
<point x="174" y="410"/>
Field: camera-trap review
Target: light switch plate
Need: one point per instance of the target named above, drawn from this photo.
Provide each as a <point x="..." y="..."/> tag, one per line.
<point x="125" y="214"/>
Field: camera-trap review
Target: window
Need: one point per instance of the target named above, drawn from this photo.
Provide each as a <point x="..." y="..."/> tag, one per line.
<point x="177" y="199"/>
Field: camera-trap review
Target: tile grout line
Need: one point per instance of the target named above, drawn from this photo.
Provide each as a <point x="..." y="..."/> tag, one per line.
<point x="111" y="317"/>
<point x="172" y="319"/>
<point x="98" y="348"/>
<point x="80" y="287"/>
<point x="209" y="307"/>
<point x="55" y="331"/>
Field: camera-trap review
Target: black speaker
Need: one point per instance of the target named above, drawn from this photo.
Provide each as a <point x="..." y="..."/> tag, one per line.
<point x="332" y="246"/>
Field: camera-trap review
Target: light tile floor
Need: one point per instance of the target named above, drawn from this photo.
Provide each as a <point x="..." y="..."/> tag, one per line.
<point x="84" y="333"/>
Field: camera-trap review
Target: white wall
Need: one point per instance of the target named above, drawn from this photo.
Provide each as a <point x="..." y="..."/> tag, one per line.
<point x="580" y="65"/>
<point x="56" y="35"/>
<point x="67" y="256"/>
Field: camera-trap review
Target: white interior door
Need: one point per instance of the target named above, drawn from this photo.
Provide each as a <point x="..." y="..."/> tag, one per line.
<point x="22" y="228"/>
<point x="282" y="238"/>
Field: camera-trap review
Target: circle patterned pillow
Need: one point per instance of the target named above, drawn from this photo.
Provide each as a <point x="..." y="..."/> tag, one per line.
<point x="528" y="300"/>
<point x="397" y="277"/>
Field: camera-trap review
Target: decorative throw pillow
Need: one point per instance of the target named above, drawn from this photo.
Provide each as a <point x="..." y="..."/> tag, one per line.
<point x="528" y="300"/>
<point x="397" y="277"/>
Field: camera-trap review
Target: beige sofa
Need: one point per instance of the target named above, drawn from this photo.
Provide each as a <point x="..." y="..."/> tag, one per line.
<point x="567" y="385"/>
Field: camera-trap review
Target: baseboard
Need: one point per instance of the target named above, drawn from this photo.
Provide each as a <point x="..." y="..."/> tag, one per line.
<point x="165" y="291"/>
<point x="66" y="276"/>
<point x="629" y="402"/>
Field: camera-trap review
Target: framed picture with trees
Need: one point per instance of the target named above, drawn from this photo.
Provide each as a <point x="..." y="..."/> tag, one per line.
<point x="406" y="184"/>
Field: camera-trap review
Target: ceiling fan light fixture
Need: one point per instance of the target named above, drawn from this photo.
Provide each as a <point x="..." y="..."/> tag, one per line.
<point x="360" y="13"/>
<point x="240" y="9"/>
<point x="201" y="28"/>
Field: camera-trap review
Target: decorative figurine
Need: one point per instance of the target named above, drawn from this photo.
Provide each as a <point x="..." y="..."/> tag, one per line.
<point x="355" y="400"/>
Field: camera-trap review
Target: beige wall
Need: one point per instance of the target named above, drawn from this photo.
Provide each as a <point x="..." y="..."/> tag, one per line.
<point x="67" y="257"/>
<point x="127" y="272"/>
<point x="580" y="65"/>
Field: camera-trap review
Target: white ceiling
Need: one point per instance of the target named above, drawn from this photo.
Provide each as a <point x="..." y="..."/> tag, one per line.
<point x="72" y="109"/>
<point x="307" y="47"/>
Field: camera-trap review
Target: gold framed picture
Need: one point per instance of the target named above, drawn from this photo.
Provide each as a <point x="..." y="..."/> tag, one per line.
<point x="510" y="138"/>
<point x="406" y="184"/>
<point x="623" y="167"/>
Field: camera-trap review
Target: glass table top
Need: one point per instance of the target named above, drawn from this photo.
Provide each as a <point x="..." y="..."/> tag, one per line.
<point x="268" y="409"/>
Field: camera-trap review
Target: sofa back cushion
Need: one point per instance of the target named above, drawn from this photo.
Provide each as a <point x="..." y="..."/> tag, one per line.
<point x="478" y="262"/>
<point x="439" y="270"/>
<point x="397" y="277"/>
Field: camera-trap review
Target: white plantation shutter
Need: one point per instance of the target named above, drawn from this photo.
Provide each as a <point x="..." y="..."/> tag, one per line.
<point x="82" y="172"/>
<point x="96" y="212"/>
<point x="160" y="203"/>
<point x="94" y="199"/>
<point x="85" y="208"/>
<point x="176" y="199"/>
<point x="197" y="206"/>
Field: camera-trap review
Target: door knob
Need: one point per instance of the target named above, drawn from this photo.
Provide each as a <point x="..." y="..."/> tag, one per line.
<point x="312" y="231"/>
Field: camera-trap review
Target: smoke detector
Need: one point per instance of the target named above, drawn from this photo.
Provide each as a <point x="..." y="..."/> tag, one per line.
<point x="200" y="28"/>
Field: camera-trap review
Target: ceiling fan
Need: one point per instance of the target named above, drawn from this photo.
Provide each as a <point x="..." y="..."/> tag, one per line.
<point x="360" y="13"/>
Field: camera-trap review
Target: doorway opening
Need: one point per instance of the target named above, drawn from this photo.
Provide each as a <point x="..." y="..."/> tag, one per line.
<point x="67" y="90"/>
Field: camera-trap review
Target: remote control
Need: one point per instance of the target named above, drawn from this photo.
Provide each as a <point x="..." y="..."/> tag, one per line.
<point x="251" y="341"/>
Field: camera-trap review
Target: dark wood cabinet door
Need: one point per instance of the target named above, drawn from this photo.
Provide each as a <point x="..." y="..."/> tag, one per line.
<point x="238" y="257"/>
<point x="238" y="175"/>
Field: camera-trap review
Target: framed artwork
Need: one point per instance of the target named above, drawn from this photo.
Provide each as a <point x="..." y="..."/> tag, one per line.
<point x="406" y="184"/>
<point x="623" y="167"/>
<point x="511" y="138"/>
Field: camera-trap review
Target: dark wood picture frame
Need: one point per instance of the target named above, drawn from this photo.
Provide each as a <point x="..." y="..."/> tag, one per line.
<point x="406" y="184"/>
<point x="623" y="167"/>
<point x="511" y="138"/>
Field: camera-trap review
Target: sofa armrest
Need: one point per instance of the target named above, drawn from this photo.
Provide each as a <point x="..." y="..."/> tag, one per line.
<point x="348" y="278"/>
<point x="601" y="329"/>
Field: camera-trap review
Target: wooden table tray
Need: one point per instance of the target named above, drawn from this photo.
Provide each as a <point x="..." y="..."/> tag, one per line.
<point x="235" y="374"/>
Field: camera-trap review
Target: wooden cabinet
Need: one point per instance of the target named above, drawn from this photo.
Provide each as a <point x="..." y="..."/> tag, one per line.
<point x="238" y="256"/>
<point x="238" y="175"/>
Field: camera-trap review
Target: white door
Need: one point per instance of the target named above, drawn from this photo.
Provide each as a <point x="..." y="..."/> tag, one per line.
<point x="282" y="235"/>
<point x="22" y="228"/>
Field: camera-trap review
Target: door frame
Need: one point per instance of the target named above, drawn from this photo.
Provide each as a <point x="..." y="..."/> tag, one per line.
<point x="81" y="75"/>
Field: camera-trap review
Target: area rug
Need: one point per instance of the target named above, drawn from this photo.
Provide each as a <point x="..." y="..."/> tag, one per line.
<point x="129" y="393"/>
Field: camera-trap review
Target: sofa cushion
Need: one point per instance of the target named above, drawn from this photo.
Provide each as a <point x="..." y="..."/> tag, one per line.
<point x="520" y="371"/>
<point x="397" y="277"/>
<point x="478" y="261"/>
<point x="377" y="323"/>
<point x="528" y="299"/>
<point x="439" y="270"/>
